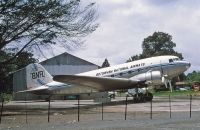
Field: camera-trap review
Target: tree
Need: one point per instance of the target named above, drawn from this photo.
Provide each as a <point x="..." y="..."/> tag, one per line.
<point x="21" y="61"/>
<point x="105" y="64"/>
<point x="133" y="58"/>
<point x="30" y="24"/>
<point x="193" y="77"/>
<point x="24" y="59"/>
<point x="159" y="43"/>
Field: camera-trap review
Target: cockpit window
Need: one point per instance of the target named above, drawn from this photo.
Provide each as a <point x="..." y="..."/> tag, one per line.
<point x="170" y="60"/>
<point x="174" y="59"/>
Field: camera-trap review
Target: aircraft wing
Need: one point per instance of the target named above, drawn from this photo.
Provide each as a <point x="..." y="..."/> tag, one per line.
<point x="99" y="83"/>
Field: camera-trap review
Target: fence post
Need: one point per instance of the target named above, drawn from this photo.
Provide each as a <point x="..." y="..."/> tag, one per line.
<point x="1" y="109"/>
<point x="170" y="108"/>
<point x="102" y="109"/>
<point x="151" y="110"/>
<point x="26" y="108"/>
<point x="78" y="108"/>
<point x="126" y="108"/>
<point x="190" y="105"/>
<point x="49" y="108"/>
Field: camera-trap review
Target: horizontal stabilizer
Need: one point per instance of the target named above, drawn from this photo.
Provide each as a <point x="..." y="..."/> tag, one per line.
<point x="34" y="90"/>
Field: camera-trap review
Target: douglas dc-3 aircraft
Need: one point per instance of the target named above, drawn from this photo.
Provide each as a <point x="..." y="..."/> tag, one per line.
<point x="155" y="71"/>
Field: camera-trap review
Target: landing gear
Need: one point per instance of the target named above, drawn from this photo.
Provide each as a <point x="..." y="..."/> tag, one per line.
<point x="140" y="97"/>
<point x="168" y="83"/>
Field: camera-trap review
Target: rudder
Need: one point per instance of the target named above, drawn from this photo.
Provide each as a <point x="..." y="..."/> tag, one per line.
<point x="36" y="76"/>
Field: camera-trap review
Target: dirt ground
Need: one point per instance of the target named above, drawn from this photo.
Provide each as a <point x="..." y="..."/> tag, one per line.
<point x="64" y="115"/>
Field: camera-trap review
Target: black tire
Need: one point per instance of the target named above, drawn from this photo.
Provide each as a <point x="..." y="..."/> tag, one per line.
<point x="138" y="98"/>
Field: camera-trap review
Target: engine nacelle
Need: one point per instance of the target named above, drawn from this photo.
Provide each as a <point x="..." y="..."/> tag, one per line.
<point x="151" y="77"/>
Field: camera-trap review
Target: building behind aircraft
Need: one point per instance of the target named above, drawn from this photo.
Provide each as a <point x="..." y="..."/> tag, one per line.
<point x="62" y="64"/>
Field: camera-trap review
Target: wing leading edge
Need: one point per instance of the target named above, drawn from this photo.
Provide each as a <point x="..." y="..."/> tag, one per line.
<point x="99" y="83"/>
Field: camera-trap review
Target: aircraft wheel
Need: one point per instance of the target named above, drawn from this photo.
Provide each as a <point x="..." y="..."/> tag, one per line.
<point x="138" y="98"/>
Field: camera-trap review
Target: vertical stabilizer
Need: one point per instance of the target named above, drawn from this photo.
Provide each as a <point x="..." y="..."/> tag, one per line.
<point x="37" y="76"/>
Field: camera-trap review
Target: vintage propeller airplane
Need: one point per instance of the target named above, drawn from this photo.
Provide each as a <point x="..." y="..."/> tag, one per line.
<point x="155" y="71"/>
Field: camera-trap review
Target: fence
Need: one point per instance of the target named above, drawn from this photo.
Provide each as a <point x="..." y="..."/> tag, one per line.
<point x="86" y="110"/>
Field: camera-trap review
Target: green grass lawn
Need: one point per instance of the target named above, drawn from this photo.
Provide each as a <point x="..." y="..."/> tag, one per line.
<point x="175" y="93"/>
<point x="167" y="93"/>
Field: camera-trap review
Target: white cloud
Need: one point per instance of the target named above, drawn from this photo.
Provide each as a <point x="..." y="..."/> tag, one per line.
<point x="125" y="23"/>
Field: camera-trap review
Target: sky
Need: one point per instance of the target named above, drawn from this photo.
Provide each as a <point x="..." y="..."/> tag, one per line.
<point x="125" y="23"/>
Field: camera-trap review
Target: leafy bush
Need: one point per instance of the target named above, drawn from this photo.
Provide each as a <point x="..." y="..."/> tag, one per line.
<point x="6" y="97"/>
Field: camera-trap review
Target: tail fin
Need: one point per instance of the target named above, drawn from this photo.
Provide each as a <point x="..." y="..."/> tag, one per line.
<point x="36" y="76"/>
